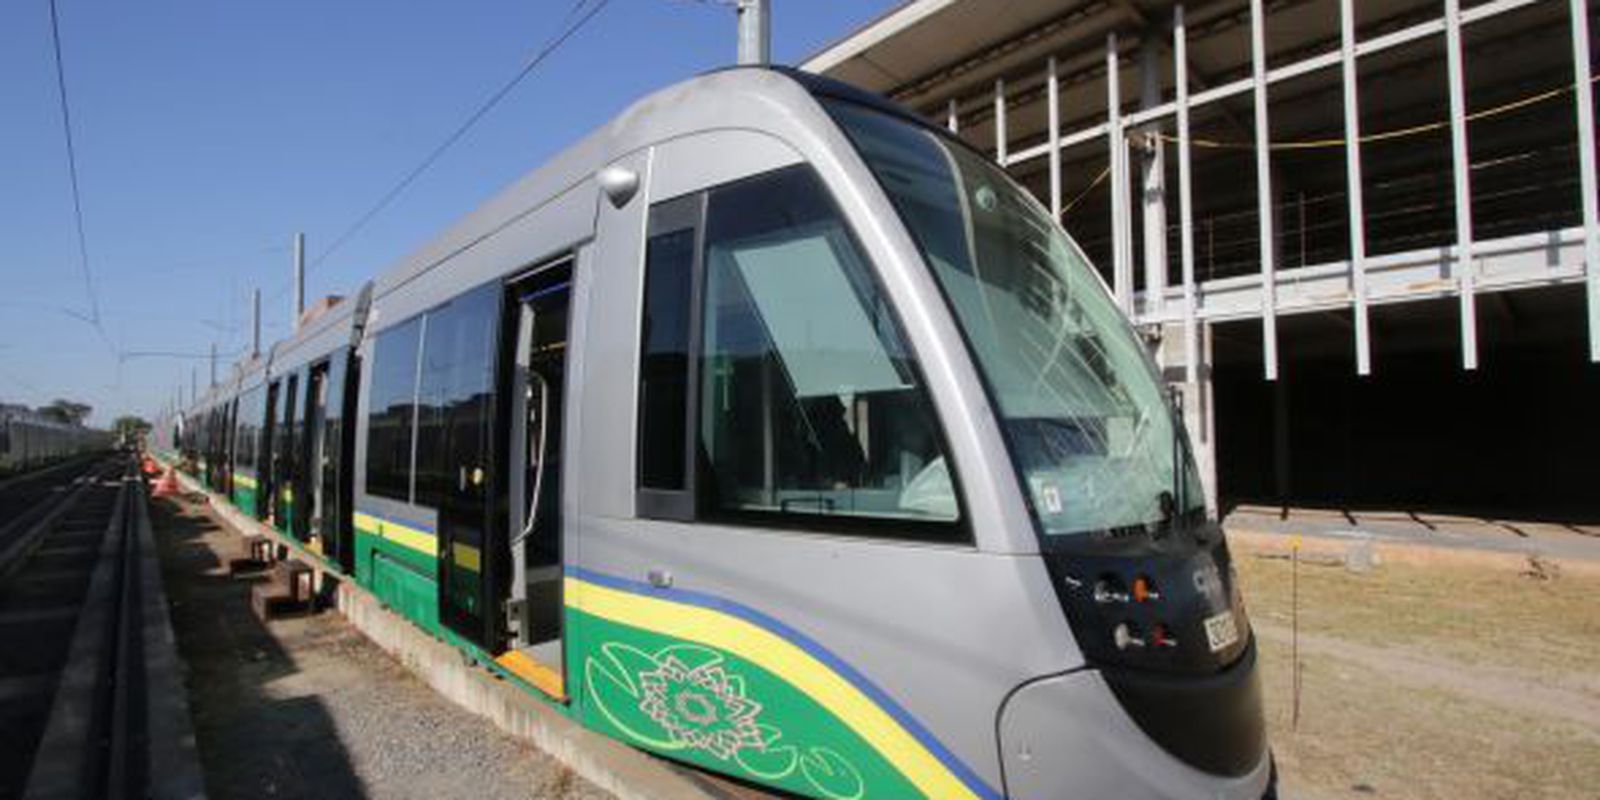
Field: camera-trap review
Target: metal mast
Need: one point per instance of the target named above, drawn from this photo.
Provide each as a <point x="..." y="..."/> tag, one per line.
<point x="755" y="32"/>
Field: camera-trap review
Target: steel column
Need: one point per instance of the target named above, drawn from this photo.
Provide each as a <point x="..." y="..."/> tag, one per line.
<point x="1583" y="88"/>
<point x="1054" y="88"/>
<point x="1000" y="121"/>
<point x="1152" y="180"/>
<point x="1121" y="270"/>
<point x="1352" y="161"/>
<point x="1180" y="63"/>
<point x="299" y="282"/>
<point x="1463" y="180"/>
<point x="1269" y="281"/>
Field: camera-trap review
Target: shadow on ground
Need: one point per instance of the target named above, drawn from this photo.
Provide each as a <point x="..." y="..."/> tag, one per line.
<point x="254" y="742"/>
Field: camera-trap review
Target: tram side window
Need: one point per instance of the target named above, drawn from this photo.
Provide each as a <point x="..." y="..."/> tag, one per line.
<point x="392" y="411"/>
<point x="244" y="440"/>
<point x="664" y="369"/>
<point x="453" y="413"/>
<point x="810" y="403"/>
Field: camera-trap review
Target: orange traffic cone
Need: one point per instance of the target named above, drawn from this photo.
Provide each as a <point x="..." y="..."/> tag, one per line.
<point x="167" y="486"/>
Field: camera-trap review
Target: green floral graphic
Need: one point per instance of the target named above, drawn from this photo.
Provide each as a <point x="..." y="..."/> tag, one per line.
<point x="684" y="699"/>
<point x="701" y="707"/>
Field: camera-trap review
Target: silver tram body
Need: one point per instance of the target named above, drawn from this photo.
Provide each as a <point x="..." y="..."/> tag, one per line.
<point x="776" y="432"/>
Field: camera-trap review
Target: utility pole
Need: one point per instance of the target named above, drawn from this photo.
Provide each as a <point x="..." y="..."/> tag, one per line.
<point x="213" y="365"/>
<point x="255" y="323"/>
<point x="755" y="32"/>
<point x="299" y="281"/>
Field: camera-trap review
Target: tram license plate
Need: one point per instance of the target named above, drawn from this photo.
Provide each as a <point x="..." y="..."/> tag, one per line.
<point x="1221" y="632"/>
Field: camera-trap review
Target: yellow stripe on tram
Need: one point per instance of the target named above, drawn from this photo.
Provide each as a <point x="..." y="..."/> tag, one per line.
<point x="402" y="535"/>
<point x="784" y="659"/>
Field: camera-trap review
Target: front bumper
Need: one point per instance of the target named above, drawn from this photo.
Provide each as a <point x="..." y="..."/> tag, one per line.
<point x="1068" y="737"/>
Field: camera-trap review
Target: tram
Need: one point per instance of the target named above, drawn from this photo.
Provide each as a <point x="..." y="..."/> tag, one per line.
<point x="772" y="430"/>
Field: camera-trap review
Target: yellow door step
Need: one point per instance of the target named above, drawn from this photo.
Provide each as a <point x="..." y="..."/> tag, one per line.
<point x="535" y="674"/>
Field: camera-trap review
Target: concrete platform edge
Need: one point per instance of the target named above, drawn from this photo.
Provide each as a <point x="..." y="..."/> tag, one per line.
<point x="174" y="754"/>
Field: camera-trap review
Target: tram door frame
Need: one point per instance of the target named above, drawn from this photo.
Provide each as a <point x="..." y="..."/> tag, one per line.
<point x="316" y="457"/>
<point x="536" y="331"/>
<point x="267" y="455"/>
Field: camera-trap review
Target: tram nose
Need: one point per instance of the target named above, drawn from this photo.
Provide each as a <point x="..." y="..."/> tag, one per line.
<point x="1070" y="736"/>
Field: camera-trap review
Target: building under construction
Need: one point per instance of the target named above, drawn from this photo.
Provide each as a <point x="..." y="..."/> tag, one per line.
<point x="1362" y="236"/>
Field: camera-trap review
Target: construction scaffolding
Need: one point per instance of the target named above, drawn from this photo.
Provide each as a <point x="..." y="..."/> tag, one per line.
<point x="1244" y="161"/>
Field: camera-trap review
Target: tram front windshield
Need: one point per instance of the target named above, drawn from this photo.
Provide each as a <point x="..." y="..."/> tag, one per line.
<point x="1083" y="411"/>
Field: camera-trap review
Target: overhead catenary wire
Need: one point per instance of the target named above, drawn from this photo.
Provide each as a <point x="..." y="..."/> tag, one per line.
<point x="72" y="174"/>
<point x="461" y="130"/>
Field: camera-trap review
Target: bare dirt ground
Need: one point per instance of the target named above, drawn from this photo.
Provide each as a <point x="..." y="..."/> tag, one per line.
<point x="1452" y="680"/>
<point x="309" y="708"/>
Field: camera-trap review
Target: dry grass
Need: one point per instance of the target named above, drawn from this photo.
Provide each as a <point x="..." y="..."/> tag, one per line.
<point x="1448" y="681"/>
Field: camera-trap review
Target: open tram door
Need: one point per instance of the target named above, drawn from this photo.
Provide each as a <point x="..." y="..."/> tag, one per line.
<point x="538" y="389"/>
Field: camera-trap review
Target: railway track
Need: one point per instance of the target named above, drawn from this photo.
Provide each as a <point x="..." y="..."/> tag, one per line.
<point x="81" y="617"/>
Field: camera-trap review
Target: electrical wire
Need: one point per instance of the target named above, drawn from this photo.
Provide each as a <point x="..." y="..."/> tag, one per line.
<point x="1383" y="136"/>
<point x="72" y="173"/>
<point x="1098" y="179"/>
<point x="461" y="130"/>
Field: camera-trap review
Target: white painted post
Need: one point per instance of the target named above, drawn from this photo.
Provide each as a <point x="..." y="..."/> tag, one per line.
<point x="1352" y="161"/>
<point x="1000" y="121"/>
<point x="1054" y="88"/>
<point x="1269" y="280"/>
<point x="1583" y="89"/>
<point x="950" y="120"/>
<point x="1463" y="181"/>
<point x="1180" y="62"/>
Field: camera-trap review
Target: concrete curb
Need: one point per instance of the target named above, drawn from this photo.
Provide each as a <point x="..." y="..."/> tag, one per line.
<point x="1404" y="552"/>
<point x="625" y="772"/>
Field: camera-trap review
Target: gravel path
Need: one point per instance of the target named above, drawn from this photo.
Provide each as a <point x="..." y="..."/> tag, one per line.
<point x="310" y="708"/>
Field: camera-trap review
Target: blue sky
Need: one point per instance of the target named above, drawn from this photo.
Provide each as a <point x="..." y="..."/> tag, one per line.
<point x="208" y="132"/>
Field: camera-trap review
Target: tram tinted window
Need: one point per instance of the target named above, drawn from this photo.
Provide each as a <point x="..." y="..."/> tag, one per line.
<point x="664" y="373"/>
<point x="392" y="411"/>
<point x="453" y="397"/>
<point x="810" y="403"/>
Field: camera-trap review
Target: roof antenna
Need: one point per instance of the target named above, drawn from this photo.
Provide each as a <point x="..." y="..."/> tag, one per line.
<point x="755" y="32"/>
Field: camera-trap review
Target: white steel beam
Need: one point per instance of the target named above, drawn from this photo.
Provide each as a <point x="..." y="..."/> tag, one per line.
<point x="1180" y="63"/>
<point x="1269" y="320"/>
<point x="1000" y="121"/>
<point x="1463" y="184"/>
<point x="1583" y="89"/>
<point x="1054" y="88"/>
<point x="1352" y="160"/>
